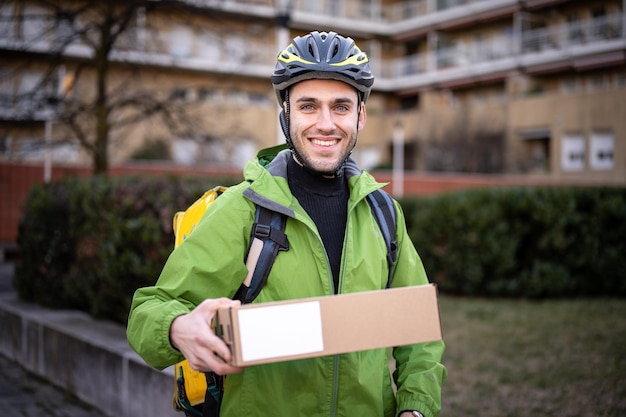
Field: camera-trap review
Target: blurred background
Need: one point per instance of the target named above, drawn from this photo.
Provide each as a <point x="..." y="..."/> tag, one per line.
<point x="488" y="94"/>
<point x="535" y="88"/>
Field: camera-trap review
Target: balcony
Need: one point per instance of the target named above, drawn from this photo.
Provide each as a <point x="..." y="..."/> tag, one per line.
<point x="206" y="53"/>
<point x="450" y="63"/>
<point x="595" y="42"/>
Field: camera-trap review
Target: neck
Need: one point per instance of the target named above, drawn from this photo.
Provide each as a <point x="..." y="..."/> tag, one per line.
<point x="298" y="160"/>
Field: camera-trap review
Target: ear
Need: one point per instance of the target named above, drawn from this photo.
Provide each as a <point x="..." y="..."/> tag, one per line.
<point x="362" y="117"/>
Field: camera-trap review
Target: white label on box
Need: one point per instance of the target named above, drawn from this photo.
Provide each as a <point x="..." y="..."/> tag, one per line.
<point x="284" y="330"/>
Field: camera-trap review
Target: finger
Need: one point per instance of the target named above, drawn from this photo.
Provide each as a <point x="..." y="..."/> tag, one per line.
<point x="220" y="349"/>
<point x="212" y="305"/>
<point x="223" y="368"/>
<point x="213" y="362"/>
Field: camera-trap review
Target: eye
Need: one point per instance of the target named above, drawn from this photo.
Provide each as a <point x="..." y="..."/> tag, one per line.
<point x="342" y="108"/>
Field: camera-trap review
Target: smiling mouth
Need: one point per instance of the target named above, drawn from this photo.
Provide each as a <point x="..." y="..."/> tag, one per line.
<point x="321" y="142"/>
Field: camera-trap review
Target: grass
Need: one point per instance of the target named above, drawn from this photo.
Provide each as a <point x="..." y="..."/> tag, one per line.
<point x="521" y="358"/>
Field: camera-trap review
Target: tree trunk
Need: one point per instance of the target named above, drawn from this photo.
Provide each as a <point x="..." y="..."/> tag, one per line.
<point x="100" y="155"/>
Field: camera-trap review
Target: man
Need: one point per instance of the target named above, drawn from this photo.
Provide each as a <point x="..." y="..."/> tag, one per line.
<point x="322" y="81"/>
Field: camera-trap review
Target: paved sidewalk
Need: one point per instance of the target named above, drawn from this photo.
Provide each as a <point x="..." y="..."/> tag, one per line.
<point x="26" y="395"/>
<point x="6" y="277"/>
<point x="23" y="394"/>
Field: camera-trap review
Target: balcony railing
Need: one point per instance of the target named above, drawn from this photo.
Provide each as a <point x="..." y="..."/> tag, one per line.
<point x="405" y="10"/>
<point x="212" y="52"/>
<point x="209" y="52"/>
<point x="554" y="38"/>
<point x="597" y="29"/>
<point x="346" y="9"/>
<point x="357" y="9"/>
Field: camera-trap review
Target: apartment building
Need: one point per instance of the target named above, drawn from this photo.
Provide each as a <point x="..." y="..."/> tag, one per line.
<point x="534" y="87"/>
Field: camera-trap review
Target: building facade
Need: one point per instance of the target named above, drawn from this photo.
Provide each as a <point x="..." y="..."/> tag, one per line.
<point x="534" y="87"/>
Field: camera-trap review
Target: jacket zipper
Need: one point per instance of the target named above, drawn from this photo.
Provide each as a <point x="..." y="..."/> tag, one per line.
<point x="335" y="393"/>
<point x="335" y="387"/>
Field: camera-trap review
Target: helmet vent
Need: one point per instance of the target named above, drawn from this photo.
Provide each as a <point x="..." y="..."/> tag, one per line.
<point x="322" y="55"/>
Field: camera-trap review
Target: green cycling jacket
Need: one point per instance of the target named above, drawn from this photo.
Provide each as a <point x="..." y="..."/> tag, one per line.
<point x="210" y="264"/>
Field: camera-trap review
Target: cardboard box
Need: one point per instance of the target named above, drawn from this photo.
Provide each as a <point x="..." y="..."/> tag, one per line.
<point x="319" y="326"/>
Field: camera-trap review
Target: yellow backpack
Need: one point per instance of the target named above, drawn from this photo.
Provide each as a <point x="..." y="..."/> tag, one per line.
<point x="186" y="221"/>
<point x="199" y="393"/>
<point x="191" y="385"/>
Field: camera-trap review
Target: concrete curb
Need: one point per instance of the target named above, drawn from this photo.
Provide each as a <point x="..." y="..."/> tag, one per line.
<point x="90" y="358"/>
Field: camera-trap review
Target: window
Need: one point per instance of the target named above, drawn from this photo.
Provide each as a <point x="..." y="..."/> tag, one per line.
<point x="237" y="97"/>
<point x="235" y="48"/>
<point x="242" y="152"/>
<point x="181" y="42"/>
<point x="6" y="89"/>
<point x="29" y="149"/>
<point x="575" y="32"/>
<point x="602" y="150"/>
<point x="367" y="157"/>
<point x="6" y="146"/>
<point x="209" y="46"/>
<point x="184" y="151"/>
<point x="409" y="102"/>
<point x="259" y="99"/>
<point x="208" y="94"/>
<point x="36" y="22"/>
<point x="214" y="150"/>
<point x="63" y="27"/>
<point x="570" y="85"/>
<point x="573" y="152"/>
<point x="181" y="94"/>
<point x="30" y="93"/>
<point x="6" y="21"/>
<point x="598" y="82"/>
<point x="619" y="80"/>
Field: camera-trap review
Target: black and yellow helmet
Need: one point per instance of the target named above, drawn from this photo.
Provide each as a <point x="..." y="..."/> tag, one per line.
<point x="325" y="55"/>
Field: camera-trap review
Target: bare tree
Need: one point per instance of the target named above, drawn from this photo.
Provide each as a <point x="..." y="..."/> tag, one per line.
<point x="88" y="36"/>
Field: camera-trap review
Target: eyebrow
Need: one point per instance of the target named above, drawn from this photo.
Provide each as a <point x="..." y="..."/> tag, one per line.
<point x="339" y="100"/>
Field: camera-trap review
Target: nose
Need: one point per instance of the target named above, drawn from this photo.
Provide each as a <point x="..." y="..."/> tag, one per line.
<point x="325" y="120"/>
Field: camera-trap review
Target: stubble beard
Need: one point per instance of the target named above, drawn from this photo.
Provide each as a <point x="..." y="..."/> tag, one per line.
<point x="322" y="165"/>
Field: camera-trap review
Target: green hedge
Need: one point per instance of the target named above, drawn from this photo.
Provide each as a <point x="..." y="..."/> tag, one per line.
<point x="523" y="242"/>
<point x="89" y="243"/>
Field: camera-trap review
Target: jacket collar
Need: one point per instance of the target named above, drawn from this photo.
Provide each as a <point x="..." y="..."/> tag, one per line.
<point x="267" y="176"/>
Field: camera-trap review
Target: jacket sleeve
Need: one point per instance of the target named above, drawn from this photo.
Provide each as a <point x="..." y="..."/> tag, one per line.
<point x="419" y="373"/>
<point x="208" y="264"/>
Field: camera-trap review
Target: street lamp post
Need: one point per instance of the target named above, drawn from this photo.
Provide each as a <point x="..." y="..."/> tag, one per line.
<point x="282" y="38"/>
<point x="47" y="162"/>
<point x="398" y="160"/>
<point x="53" y="104"/>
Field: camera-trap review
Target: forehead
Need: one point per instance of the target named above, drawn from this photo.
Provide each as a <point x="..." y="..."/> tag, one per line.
<point x="322" y="89"/>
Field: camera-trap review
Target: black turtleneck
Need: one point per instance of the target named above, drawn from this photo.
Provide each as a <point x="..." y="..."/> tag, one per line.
<point x="326" y="202"/>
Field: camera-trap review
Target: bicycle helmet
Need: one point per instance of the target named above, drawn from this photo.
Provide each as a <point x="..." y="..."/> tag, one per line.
<point x="325" y="55"/>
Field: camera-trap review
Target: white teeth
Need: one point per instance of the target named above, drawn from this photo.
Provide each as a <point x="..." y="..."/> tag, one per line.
<point x="323" y="142"/>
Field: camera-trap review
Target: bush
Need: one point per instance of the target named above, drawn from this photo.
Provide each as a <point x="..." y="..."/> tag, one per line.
<point x="89" y="243"/>
<point x="523" y="242"/>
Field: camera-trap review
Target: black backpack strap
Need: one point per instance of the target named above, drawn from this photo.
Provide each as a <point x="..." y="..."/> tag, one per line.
<point x="267" y="238"/>
<point x="384" y="212"/>
<point x="268" y="228"/>
<point x="213" y="396"/>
